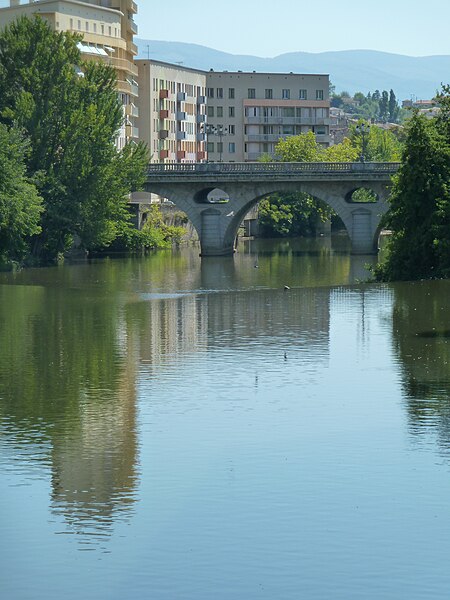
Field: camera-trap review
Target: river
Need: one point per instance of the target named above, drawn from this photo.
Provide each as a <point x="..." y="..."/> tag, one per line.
<point x="183" y="429"/>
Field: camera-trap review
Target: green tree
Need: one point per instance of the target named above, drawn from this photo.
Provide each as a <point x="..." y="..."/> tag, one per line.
<point x="392" y="107"/>
<point x="71" y="114"/>
<point x="419" y="214"/>
<point x="299" y="148"/>
<point x="20" y="204"/>
<point x="384" y="105"/>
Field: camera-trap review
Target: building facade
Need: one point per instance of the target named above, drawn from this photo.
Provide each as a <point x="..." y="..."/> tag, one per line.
<point x="172" y="111"/>
<point x="247" y="113"/>
<point x="108" y="30"/>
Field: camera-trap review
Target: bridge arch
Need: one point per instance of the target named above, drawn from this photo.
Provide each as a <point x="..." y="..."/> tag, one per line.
<point x="188" y="185"/>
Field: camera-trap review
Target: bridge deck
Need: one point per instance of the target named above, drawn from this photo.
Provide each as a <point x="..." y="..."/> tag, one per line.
<point x="278" y="170"/>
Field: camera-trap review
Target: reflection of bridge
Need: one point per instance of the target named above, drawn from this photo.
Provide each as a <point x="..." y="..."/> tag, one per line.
<point x="244" y="184"/>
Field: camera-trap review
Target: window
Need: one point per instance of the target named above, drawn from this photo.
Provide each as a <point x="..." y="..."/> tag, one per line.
<point x="231" y="93"/>
<point x="286" y="94"/>
<point x="231" y="111"/>
<point x="220" y="147"/>
<point x="71" y="23"/>
<point x="210" y="92"/>
<point x="303" y="95"/>
<point x="210" y="111"/>
<point x="219" y="92"/>
<point x="95" y="27"/>
<point x="231" y="129"/>
<point x="87" y="25"/>
<point x="79" y="25"/>
<point x="103" y="29"/>
<point x="210" y="147"/>
<point x="219" y="111"/>
<point x="269" y="94"/>
<point x="231" y="147"/>
<point x="319" y="94"/>
<point x="251" y="93"/>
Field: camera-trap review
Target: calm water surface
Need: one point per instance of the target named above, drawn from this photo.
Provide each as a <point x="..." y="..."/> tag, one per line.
<point x="179" y="429"/>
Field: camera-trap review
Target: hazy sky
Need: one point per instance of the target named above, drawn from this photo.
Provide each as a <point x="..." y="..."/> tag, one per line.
<point x="267" y="29"/>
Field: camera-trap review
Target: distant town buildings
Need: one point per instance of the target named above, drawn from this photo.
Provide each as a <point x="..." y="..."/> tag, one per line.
<point x="429" y="108"/>
<point x="172" y="111"/>
<point x="108" y="30"/>
<point x="187" y="115"/>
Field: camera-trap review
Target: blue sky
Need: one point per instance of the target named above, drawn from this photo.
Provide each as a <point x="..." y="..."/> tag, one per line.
<point x="266" y="28"/>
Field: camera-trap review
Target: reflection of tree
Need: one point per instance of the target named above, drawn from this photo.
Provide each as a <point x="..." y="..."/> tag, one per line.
<point x="421" y="330"/>
<point x="67" y="382"/>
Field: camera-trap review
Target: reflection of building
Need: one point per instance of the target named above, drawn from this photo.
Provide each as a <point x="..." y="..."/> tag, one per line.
<point x="94" y="464"/>
<point x="172" y="111"/>
<point x="108" y="29"/>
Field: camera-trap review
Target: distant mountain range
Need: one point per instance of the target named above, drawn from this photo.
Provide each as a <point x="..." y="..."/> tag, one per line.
<point x="350" y="70"/>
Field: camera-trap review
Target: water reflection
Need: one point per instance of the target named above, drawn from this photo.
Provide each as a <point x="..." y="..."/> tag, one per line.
<point x="421" y="321"/>
<point x="68" y="398"/>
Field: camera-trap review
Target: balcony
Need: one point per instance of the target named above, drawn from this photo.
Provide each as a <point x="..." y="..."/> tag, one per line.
<point x="133" y="7"/>
<point x="201" y="155"/>
<point x="201" y="99"/>
<point x="131" y="132"/>
<point x="123" y="65"/>
<point x="181" y="115"/>
<point x="163" y="134"/>
<point x="132" y="26"/>
<point x="164" y="114"/>
<point x="201" y="118"/>
<point x="181" y="96"/>
<point x="163" y="154"/>
<point x="131" y="110"/>
<point x="181" y="154"/>
<point x="163" y="94"/>
<point x="261" y="120"/>
<point x="181" y="135"/>
<point x="127" y="88"/>
<point x="131" y="47"/>
<point x="265" y="137"/>
<point x="201" y="137"/>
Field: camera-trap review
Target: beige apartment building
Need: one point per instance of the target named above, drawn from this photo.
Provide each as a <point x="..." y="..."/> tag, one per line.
<point x="247" y="113"/>
<point x="108" y="30"/>
<point x="172" y="111"/>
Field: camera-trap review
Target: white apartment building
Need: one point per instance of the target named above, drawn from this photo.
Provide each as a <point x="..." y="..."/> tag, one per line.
<point x="247" y="113"/>
<point x="108" y="29"/>
<point x="172" y="111"/>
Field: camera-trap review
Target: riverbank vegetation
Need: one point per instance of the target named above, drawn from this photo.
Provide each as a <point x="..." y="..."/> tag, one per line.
<point x="419" y="214"/>
<point x="62" y="176"/>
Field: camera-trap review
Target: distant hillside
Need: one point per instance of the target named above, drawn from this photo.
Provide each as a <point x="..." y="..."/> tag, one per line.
<point x="350" y="70"/>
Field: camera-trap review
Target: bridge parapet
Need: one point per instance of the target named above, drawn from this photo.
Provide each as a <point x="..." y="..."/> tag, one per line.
<point x="282" y="170"/>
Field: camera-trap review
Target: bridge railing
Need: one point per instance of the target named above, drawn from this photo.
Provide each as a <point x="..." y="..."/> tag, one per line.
<point x="278" y="168"/>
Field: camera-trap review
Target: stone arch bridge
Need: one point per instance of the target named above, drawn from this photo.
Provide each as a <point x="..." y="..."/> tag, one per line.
<point x="242" y="185"/>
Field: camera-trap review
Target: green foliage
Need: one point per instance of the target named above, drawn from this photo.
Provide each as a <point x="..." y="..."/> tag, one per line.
<point x="20" y="203"/>
<point x="290" y="215"/>
<point x="299" y="148"/>
<point x="381" y="145"/>
<point x="71" y="121"/>
<point x="419" y="215"/>
<point x="154" y="234"/>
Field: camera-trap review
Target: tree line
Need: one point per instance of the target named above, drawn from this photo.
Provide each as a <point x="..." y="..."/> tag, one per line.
<point x="377" y="106"/>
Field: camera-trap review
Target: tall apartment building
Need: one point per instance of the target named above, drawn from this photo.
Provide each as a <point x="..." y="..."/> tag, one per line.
<point x="108" y="31"/>
<point x="247" y="113"/>
<point x="172" y="111"/>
